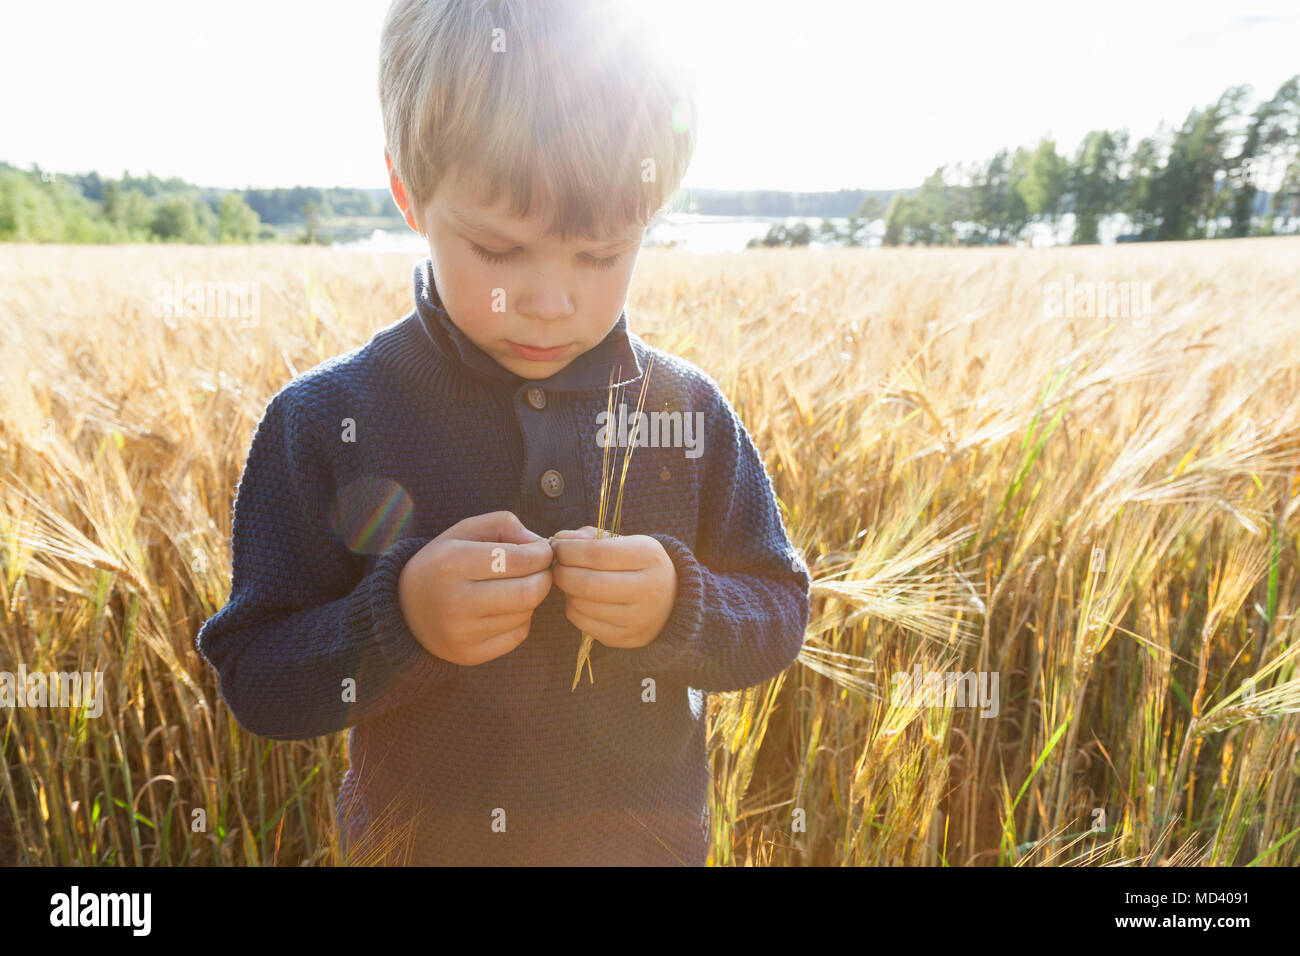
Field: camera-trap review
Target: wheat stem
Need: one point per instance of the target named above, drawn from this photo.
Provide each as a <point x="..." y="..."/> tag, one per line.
<point x="606" y="480"/>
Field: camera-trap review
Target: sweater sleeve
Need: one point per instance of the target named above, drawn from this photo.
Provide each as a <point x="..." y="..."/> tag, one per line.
<point x="302" y="618"/>
<point x="743" y="597"/>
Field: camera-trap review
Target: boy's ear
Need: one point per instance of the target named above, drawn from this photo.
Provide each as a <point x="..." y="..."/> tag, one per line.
<point x="399" y="195"/>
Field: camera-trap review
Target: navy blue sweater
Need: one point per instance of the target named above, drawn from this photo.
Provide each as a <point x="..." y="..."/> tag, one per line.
<point x="362" y="460"/>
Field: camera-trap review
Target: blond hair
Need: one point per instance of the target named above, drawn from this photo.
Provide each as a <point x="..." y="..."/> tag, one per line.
<point x="574" y="97"/>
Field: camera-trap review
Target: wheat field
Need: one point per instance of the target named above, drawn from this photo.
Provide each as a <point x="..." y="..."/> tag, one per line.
<point x="1098" y="507"/>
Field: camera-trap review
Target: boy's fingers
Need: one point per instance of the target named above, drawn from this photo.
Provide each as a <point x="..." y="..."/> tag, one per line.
<point x="586" y="625"/>
<point x="603" y="587"/>
<point x="500" y="526"/>
<point x="492" y="560"/>
<point x="495" y="625"/>
<point x="510" y="595"/>
<point x="605" y="554"/>
<point x="494" y="647"/>
<point x="611" y="615"/>
<point x="586" y="531"/>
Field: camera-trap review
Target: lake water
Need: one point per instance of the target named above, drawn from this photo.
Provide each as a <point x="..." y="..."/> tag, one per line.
<point x="690" y="231"/>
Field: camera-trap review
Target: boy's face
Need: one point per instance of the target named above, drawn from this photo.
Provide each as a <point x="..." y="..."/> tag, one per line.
<point x="562" y="297"/>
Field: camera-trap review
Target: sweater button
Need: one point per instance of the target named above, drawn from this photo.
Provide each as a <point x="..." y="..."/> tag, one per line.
<point x="536" y="397"/>
<point x="552" y="483"/>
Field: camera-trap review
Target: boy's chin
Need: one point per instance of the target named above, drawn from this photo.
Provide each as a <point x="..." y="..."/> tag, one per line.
<point x="537" y="370"/>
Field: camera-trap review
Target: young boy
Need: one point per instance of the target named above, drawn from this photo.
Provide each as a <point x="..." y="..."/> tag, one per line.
<point x="394" y="570"/>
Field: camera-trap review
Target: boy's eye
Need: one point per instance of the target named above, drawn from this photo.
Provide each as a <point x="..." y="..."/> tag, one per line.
<point x="604" y="263"/>
<point x="487" y="255"/>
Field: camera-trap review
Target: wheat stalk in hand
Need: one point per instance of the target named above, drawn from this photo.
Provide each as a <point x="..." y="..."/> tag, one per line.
<point x="606" y="483"/>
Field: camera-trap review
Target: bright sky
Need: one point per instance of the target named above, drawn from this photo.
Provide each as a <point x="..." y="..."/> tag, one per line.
<point x="807" y="95"/>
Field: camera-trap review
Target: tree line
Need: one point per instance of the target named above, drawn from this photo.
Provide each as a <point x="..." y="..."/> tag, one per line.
<point x="1228" y="170"/>
<point x="37" y="205"/>
<point x="1231" y="169"/>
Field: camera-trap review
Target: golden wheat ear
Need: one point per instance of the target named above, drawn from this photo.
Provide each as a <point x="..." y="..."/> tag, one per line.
<point x="584" y="657"/>
<point x="606" y="481"/>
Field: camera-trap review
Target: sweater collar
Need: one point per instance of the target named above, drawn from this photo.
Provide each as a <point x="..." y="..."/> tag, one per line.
<point x="452" y="354"/>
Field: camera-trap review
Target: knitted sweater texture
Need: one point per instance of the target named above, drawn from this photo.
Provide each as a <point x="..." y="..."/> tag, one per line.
<point x="359" y="462"/>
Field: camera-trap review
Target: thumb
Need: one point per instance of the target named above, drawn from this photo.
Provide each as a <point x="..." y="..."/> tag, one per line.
<point x="586" y="531"/>
<point x="503" y="526"/>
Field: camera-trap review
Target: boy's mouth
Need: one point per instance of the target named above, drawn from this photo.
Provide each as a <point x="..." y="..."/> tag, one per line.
<point x="535" y="354"/>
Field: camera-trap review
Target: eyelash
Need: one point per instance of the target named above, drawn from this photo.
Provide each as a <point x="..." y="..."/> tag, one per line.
<point x="497" y="257"/>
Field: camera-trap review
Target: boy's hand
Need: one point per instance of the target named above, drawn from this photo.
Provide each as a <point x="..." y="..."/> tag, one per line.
<point x="620" y="590"/>
<point x="468" y="595"/>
